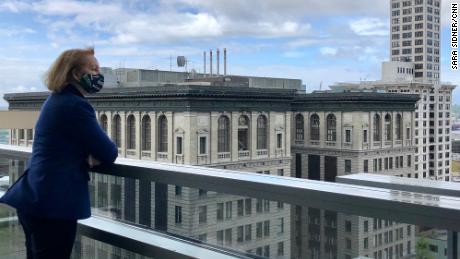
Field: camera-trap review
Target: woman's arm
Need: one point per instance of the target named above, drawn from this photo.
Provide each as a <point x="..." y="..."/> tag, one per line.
<point x="92" y="137"/>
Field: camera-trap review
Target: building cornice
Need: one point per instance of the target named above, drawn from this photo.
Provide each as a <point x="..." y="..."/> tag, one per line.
<point x="217" y="98"/>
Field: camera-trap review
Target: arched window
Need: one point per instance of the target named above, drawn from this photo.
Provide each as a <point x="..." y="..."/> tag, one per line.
<point x="314" y="127"/>
<point x="331" y="127"/>
<point x="131" y="132"/>
<point x="223" y="134"/>
<point x="377" y="126"/>
<point x="145" y="133"/>
<point x="398" y="127"/>
<point x="299" y="131"/>
<point x="116" y="130"/>
<point x="243" y="133"/>
<point x="162" y="134"/>
<point x="261" y="132"/>
<point x="388" y="128"/>
<point x="103" y="122"/>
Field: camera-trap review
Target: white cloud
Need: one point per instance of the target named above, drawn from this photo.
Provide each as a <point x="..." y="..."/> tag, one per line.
<point x="370" y="27"/>
<point x="446" y="12"/>
<point x="293" y="54"/>
<point x="328" y="51"/>
<point x="21" y="75"/>
<point x="13" y="6"/>
<point x="9" y="31"/>
<point x="275" y="9"/>
<point x="164" y="24"/>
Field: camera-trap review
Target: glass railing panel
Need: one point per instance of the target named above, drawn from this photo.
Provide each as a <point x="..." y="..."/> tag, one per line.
<point x="261" y="227"/>
<point x="11" y="234"/>
<point x="12" y="240"/>
<point x="256" y="226"/>
<point x="86" y="247"/>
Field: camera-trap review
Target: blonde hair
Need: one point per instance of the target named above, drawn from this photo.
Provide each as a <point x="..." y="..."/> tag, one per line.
<point x="64" y="68"/>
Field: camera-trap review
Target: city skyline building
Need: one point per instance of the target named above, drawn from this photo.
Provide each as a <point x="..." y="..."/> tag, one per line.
<point x="414" y="68"/>
<point x="340" y="133"/>
<point x="415" y="37"/>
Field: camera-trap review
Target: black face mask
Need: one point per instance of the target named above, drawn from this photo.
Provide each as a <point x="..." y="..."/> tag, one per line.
<point x="92" y="83"/>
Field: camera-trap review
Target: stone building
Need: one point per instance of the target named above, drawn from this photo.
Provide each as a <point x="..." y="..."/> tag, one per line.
<point x="431" y="122"/>
<point x="235" y="128"/>
<point x="335" y="134"/>
<point x="254" y="130"/>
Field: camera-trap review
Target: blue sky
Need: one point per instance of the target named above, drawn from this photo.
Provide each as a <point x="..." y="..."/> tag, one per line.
<point x="328" y="40"/>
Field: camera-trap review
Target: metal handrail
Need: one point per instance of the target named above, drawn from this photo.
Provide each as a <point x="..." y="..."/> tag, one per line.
<point x="402" y="184"/>
<point x="401" y="206"/>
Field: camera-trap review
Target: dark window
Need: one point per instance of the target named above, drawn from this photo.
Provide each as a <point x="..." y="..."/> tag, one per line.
<point x="347" y="135"/>
<point x="347" y="166"/>
<point x="331" y="128"/>
<point x="376" y="126"/>
<point x="299" y="131"/>
<point x="261" y="132"/>
<point x="104" y="122"/>
<point x="146" y="133"/>
<point x="131" y="132"/>
<point x="223" y="134"/>
<point x="202" y="145"/>
<point x="162" y="134"/>
<point x="366" y="165"/>
<point x="179" y="145"/>
<point x="116" y="130"/>
<point x="314" y="127"/>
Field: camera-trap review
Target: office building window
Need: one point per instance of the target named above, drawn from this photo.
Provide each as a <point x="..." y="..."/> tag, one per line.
<point x="299" y="127"/>
<point x="377" y="125"/>
<point x="203" y="146"/>
<point x="348" y="136"/>
<point x="131" y="132"/>
<point x="103" y="122"/>
<point x="331" y="128"/>
<point x="116" y="130"/>
<point x="388" y="127"/>
<point x="262" y="132"/>
<point x="146" y="138"/>
<point x="398" y="127"/>
<point x="179" y="145"/>
<point x="202" y="214"/>
<point x="178" y="215"/>
<point x="314" y="127"/>
<point x="347" y="166"/>
<point x="243" y="133"/>
<point x="162" y="134"/>
<point x="223" y="134"/>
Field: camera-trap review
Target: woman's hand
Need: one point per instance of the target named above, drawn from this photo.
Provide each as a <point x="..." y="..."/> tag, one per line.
<point x="92" y="162"/>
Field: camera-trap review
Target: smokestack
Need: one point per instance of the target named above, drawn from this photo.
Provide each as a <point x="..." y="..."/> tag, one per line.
<point x="210" y="62"/>
<point x="204" y="63"/>
<point x="218" y="60"/>
<point x="225" y="61"/>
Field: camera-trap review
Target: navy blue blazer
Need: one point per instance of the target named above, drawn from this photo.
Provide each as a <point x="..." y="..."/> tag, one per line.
<point x="55" y="184"/>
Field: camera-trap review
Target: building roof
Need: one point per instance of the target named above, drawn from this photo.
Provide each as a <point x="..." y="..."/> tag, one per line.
<point x="355" y="101"/>
<point x="189" y="97"/>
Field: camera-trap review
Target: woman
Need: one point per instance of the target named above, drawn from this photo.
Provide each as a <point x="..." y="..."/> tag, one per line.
<point x="53" y="193"/>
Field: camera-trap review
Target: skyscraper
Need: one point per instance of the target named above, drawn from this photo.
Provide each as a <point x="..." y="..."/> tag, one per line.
<point x="414" y="68"/>
<point x="415" y="36"/>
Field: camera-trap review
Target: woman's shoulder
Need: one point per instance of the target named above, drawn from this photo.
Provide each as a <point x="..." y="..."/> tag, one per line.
<point x="69" y="99"/>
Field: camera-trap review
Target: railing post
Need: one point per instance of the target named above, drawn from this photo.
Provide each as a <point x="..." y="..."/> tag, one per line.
<point x="452" y="245"/>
